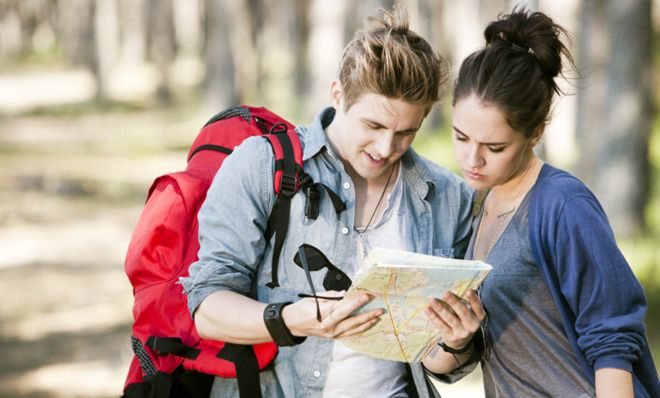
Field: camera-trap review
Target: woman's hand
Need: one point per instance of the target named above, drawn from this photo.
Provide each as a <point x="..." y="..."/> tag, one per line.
<point x="457" y="320"/>
<point x="300" y="317"/>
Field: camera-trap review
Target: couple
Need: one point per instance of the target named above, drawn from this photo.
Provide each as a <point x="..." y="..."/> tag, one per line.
<point x="564" y="311"/>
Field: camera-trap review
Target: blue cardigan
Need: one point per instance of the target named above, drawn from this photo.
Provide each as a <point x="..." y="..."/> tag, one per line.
<point x="601" y="303"/>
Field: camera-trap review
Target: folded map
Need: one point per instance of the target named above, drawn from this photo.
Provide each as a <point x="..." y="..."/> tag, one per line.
<point x="401" y="283"/>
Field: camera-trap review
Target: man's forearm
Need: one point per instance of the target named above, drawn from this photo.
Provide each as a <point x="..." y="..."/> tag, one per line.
<point x="231" y="317"/>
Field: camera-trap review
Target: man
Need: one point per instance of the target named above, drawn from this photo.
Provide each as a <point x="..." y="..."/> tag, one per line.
<point x="389" y="78"/>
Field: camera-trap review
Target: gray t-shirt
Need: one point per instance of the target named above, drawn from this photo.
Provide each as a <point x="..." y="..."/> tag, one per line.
<point x="529" y="354"/>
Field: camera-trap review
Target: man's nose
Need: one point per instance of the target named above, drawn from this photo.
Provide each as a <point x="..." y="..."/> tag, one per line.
<point x="385" y="144"/>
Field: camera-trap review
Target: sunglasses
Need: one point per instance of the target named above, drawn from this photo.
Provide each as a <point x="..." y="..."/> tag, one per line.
<point x="309" y="258"/>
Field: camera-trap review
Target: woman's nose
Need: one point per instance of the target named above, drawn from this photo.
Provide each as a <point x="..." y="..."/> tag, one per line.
<point x="474" y="157"/>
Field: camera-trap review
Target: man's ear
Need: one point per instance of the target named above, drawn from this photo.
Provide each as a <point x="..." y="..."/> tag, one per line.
<point x="336" y="94"/>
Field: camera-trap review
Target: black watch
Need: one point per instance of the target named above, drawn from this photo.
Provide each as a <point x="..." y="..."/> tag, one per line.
<point x="450" y="350"/>
<point x="277" y="328"/>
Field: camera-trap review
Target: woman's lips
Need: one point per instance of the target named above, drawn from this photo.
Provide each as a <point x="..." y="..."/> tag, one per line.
<point x="473" y="176"/>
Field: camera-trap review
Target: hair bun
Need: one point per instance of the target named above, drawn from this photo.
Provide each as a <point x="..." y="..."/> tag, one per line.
<point x="532" y="33"/>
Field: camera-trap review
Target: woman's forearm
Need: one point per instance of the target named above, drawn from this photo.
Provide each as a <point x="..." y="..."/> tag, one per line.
<point x="441" y="362"/>
<point x="612" y="382"/>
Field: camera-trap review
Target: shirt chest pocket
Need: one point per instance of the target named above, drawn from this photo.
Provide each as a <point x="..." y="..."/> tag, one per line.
<point x="444" y="252"/>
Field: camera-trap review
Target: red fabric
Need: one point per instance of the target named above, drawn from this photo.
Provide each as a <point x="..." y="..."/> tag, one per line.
<point x="165" y="243"/>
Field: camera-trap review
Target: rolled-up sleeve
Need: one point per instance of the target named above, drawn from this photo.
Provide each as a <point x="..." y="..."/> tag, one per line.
<point x="232" y="221"/>
<point x="599" y="286"/>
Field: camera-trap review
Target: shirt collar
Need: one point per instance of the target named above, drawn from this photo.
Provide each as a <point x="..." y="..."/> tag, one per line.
<point x="314" y="137"/>
<point x="315" y="140"/>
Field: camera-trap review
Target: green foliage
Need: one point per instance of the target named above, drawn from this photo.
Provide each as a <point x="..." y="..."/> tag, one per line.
<point x="436" y="145"/>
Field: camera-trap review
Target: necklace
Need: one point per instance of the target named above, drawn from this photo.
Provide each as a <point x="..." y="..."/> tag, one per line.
<point x="502" y="219"/>
<point x="382" y="195"/>
<point x="501" y="222"/>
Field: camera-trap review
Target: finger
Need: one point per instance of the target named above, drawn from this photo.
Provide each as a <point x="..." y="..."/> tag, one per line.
<point x="444" y="311"/>
<point x="458" y="306"/>
<point x="463" y="310"/>
<point x="338" y="311"/>
<point x="328" y="306"/>
<point x="356" y="327"/>
<point x="332" y="293"/>
<point x="475" y="304"/>
<point x="441" y="325"/>
<point x="356" y="321"/>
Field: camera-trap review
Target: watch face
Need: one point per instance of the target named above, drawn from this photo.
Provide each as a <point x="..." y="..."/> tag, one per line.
<point x="271" y="312"/>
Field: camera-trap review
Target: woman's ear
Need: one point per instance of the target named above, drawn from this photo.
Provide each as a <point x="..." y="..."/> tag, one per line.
<point x="336" y="94"/>
<point x="537" y="135"/>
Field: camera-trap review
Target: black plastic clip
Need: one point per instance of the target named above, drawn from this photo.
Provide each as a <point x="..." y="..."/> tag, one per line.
<point x="313" y="196"/>
<point x="288" y="185"/>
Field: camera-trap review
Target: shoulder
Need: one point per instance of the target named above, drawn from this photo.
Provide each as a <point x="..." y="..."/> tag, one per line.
<point x="255" y="148"/>
<point x="249" y="168"/>
<point x="559" y="194"/>
<point x="556" y="187"/>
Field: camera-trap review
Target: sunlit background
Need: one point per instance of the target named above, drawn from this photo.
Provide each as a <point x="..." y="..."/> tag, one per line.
<point x="99" y="97"/>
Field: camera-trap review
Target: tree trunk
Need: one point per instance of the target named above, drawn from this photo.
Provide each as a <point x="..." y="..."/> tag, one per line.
<point x="614" y="117"/>
<point x="326" y="39"/>
<point x="75" y="28"/>
<point x="133" y="28"/>
<point x="301" y="29"/>
<point x="106" y="43"/>
<point x="163" y="45"/>
<point x="219" y="79"/>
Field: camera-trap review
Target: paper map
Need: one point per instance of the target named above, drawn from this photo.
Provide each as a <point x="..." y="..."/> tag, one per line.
<point x="401" y="283"/>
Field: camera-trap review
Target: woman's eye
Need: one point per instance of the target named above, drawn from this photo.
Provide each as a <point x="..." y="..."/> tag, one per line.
<point x="460" y="137"/>
<point x="496" y="149"/>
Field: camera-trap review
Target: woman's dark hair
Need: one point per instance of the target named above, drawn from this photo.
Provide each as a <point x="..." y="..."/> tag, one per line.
<point x="516" y="70"/>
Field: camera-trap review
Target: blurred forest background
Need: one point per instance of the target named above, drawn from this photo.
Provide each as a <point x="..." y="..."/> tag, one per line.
<point x="99" y="97"/>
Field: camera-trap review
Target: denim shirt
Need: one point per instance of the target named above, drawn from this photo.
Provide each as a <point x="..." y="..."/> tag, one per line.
<point x="235" y="256"/>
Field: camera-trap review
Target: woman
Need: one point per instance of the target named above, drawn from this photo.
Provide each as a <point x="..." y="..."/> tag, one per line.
<point x="564" y="310"/>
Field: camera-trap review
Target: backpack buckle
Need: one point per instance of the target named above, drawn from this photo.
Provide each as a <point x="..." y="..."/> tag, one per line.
<point x="288" y="185"/>
<point x="312" y="205"/>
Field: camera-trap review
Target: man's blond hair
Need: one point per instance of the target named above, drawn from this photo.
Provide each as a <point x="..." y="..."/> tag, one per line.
<point x="387" y="58"/>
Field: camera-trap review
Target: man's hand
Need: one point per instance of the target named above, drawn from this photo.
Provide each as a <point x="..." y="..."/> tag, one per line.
<point x="337" y="322"/>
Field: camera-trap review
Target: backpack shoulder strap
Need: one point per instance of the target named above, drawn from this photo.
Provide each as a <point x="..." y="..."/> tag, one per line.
<point x="288" y="168"/>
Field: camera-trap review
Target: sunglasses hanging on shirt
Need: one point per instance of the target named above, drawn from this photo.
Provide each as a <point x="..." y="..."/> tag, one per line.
<point x="309" y="258"/>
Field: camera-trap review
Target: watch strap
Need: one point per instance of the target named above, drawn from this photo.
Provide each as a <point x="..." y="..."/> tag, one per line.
<point x="277" y="328"/>
<point x="450" y="350"/>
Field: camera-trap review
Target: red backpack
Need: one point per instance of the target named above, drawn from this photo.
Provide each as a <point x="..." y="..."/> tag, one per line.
<point x="171" y="360"/>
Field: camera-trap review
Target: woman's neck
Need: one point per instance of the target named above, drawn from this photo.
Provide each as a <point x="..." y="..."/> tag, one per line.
<point x="513" y="190"/>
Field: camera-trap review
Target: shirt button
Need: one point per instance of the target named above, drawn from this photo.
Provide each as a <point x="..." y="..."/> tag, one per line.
<point x="347" y="185"/>
<point x="344" y="231"/>
<point x="317" y="373"/>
